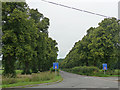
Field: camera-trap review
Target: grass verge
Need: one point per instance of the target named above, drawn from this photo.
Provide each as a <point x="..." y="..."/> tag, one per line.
<point x="106" y="75"/>
<point x="22" y="81"/>
<point x="97" y="74"/>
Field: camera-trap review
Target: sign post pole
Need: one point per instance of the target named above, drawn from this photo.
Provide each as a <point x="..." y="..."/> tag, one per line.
<point x="55" y="66"/>
<point x="104" y="71"/>
<point x="55" y="72"/>
<point x="104" y="67"/>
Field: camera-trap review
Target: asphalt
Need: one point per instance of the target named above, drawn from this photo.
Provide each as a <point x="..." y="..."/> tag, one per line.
<point x="79" y="81"/>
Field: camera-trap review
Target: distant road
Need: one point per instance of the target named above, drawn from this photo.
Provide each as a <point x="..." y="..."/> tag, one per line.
<point x="78" y="81"/>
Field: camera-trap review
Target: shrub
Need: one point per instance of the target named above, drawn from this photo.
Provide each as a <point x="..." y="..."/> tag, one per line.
<point x="76" y="69"/>
<point x="53" y="70"/>
<point x="86" y="70"/>
<point x="91" y="70"/>
<point x="112" y="72"/>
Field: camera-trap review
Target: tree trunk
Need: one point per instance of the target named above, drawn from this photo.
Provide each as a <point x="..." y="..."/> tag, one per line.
<point x="9" y="66"/>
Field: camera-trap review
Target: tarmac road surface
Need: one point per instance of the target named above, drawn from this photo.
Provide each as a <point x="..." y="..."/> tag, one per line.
<point x="78" y="81"/>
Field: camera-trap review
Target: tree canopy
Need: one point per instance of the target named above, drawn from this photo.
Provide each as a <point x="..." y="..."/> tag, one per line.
<point x="25" y="41"/>
<point x="98" y="46"/>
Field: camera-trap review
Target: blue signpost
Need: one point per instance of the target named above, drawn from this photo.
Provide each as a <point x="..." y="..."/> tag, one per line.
<point x="104" y="67"/>
<point x="55" y="66"/>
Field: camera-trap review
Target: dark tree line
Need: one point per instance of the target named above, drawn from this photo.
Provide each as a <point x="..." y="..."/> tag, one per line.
<point x="25" y="41"/>
<point x="98" y="46"/>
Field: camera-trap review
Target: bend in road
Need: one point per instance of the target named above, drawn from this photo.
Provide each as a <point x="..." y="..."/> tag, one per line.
<point x="78" y="81"/>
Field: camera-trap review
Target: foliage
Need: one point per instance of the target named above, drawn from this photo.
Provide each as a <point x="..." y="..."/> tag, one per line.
<point x="60" y="61"/>
<point x="92" y="71"/>
<point x="84" y="70"/>
<point x="53" y="70"/>
<point x="25" y="41"/>
<point x="10" y="16"/>
<point x="98" y="46"/>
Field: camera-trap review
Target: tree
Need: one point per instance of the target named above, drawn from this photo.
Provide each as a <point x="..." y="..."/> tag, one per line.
<point x="97" y="47"/>
<point x="25" y="40"/>
<point x="9" y="38"/>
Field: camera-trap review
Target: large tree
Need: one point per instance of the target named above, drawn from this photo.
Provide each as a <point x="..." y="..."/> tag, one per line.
<point x="98" y="46"/>
<point x="10" y="31"/>
<point x="25" y="40"/>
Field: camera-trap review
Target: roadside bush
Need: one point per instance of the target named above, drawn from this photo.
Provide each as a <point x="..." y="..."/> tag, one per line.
<point x="111" y="72"/>
<point x="67" y="70"/>
<point x="92" y="71"/>
<point x="53" y="70"/>
<point x="85" y="70"/>
<point x="76" y="69"/>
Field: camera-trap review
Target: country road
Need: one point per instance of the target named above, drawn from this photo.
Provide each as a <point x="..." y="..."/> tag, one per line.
<point x="78" y="81"/>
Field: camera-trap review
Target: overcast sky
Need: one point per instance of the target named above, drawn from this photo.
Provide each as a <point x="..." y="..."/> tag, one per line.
<point x="67" y="26"/>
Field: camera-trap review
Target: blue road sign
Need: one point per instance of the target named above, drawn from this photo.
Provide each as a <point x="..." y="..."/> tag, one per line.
<point x="55" y="65"/>
<point x="104" y="66"/>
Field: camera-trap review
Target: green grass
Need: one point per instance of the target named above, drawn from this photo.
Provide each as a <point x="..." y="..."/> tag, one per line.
<point x="97" y="74"/>
<point x="1" y="72"/>
<point x="106" y="75"/>
<point x="17" y="71"/>
<point x="23" y="84"/>
<point x="22" y="80"/>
